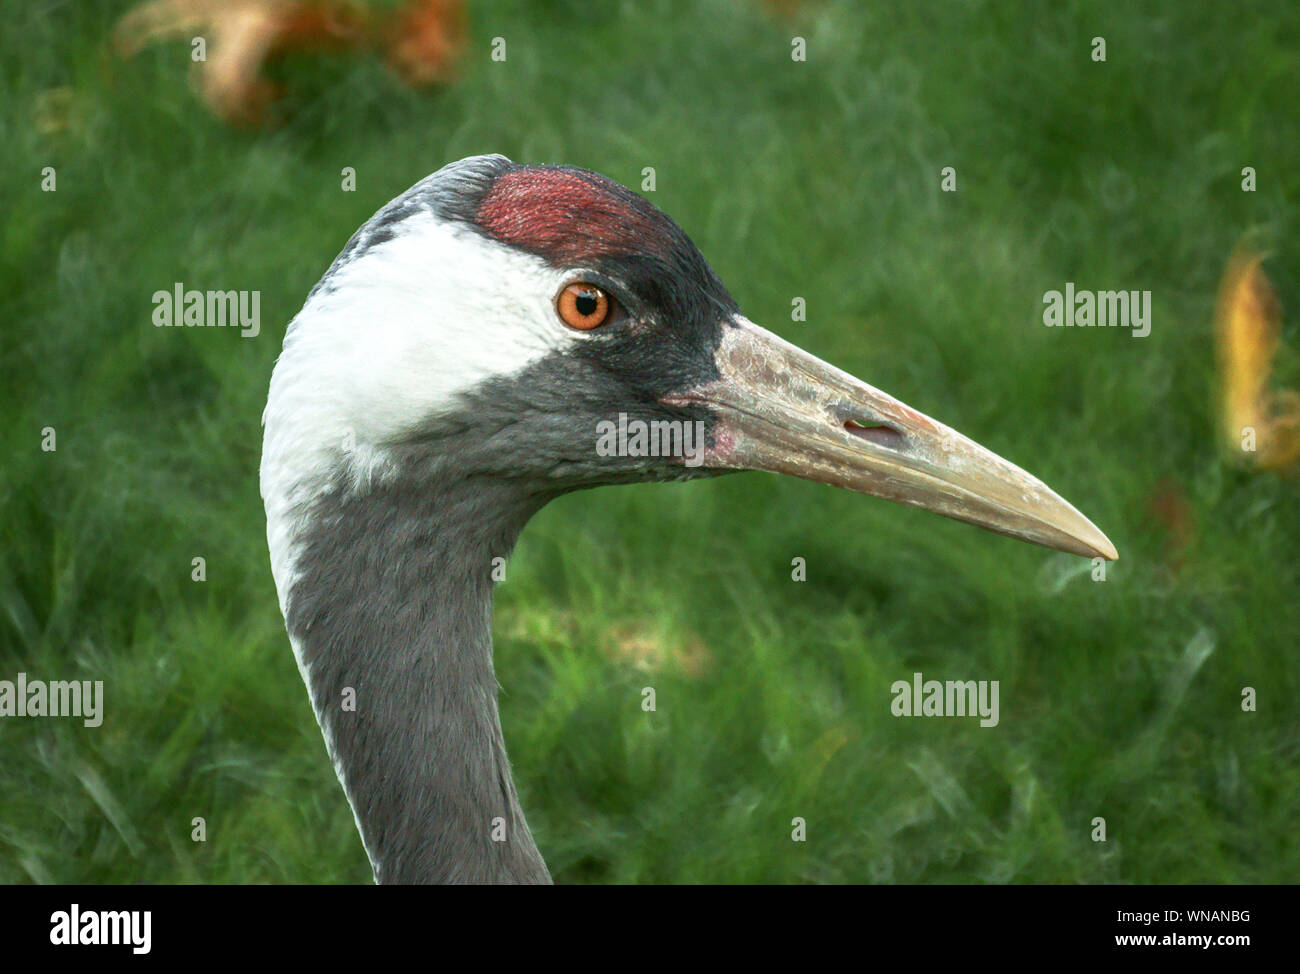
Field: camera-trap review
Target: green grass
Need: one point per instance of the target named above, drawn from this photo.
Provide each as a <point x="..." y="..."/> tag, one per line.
<point x="818" y="179"/>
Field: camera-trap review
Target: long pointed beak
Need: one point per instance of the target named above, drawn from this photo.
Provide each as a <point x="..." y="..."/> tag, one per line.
<point x="785" y="411"/>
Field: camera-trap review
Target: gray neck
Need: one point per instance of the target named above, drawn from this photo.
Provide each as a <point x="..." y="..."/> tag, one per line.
<point x="393" y="599"/>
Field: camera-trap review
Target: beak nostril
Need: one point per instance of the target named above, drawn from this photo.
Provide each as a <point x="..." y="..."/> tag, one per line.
<point x="876" y="433"/>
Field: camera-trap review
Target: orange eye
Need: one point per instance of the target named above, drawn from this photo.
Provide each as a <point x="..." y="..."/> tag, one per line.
<point x="583" y="306"/>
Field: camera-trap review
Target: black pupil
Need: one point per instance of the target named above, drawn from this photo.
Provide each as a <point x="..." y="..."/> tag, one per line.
<point x="586" y="303"/>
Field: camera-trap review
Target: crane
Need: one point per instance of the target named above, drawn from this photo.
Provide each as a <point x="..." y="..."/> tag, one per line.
<point x="453" y="371"/>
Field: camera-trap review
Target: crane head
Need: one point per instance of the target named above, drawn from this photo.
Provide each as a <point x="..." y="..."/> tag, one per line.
<point x="544" y="326"/>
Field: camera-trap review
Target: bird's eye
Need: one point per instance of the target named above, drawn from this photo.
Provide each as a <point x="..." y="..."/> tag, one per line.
<point x="583" y="306"/>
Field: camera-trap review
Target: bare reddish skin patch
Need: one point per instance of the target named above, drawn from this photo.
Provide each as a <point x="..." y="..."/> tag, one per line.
<point x="568" y="219"/>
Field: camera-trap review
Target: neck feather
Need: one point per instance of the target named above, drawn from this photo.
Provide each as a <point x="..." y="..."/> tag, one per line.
<point x="390" y="612"/>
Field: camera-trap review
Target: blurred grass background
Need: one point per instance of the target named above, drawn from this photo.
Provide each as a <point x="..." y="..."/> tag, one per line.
<point x="820" y="179"/>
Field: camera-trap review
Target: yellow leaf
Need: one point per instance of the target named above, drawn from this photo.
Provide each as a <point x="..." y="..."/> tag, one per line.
<point x="1260" y="424"/>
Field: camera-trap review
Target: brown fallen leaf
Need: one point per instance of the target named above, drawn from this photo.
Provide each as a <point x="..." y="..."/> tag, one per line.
<point x="1170" y="508"/>
<point x="637" y="643"/>
<point x="424" y="38"/>
<point x="421" y="40"/>
<point x="644" y="648"/>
